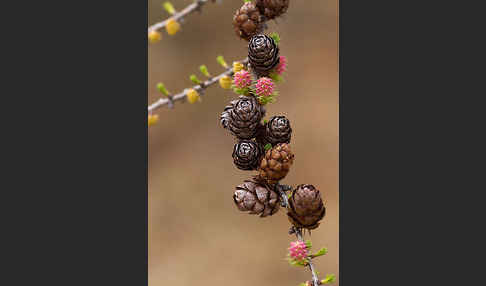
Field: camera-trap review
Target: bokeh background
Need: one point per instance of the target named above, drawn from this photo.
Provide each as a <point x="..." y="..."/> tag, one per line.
<point x="196" y="234"/>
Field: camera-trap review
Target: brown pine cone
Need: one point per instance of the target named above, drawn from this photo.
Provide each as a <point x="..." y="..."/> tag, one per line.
<point x="247" y="155"/>
<point x="272" y="8"/>
<point x="276" y="130"/>
<point x="263" y="54"/>
<point x="247" y="21"/>
<point x="242" y="117"/>
<point x="305" y="207"/>
<point x="256" y="198"/>
<point x="276" y="163"/>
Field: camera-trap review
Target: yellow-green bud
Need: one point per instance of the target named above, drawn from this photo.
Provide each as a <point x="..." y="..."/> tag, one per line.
<point x="192" y="96"/>
<point x="225" y="82"/>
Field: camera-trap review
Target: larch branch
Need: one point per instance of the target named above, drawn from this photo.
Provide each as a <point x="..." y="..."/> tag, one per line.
<point x="199" y="88"/>
<point x="178" y="16"/>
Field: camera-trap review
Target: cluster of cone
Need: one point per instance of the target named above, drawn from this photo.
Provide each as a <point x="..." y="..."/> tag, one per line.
<point x="265" y="147"/>
<point x="264" y="66"/>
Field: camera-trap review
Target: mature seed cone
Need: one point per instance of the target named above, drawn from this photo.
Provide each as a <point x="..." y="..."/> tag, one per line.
<point x="272" y="8"/>
<point x="256" y="198"/>
<point x="263" y="54"/>
<point x="247" y="21"/>
<point x="276" y="163"/>
<point x="305" y="207"/>
<point x="242" y="117"/>
<point x="276" y="130"/>
<point x="247" y="155"/>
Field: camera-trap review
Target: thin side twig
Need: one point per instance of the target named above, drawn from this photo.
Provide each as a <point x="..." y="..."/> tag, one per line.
<point x="315" y="279"/>
<point x="199" y="88"/>
<point x="196" y="6"/>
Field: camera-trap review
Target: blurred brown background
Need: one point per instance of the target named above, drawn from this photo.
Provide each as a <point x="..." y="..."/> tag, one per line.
<point x="196" y="234"/>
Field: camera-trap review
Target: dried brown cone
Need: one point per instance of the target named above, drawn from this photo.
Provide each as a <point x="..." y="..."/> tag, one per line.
<point x="276" y="163"/>
<point x="272" y="8"/>
<point x="306" y="208"/>
<point x="242" y="117"/>
<point x="256" y="198"/>
<point x="263" y="55"/>
<point x="247" y="21"/>
<point x="276" y="130"/>
<point x="247" y="154"/>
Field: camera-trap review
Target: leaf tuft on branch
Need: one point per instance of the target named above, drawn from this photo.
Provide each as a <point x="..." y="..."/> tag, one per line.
<point x="162" y="89"/>
<point x="221" y="61"/>
<point x="194" y="79"/>
<point x="321" y="252"/>
<point x="169" y="7"/>
<point x="275" y="37"/>
<point x="204" y="70"/>
<point x="329" y="279"/>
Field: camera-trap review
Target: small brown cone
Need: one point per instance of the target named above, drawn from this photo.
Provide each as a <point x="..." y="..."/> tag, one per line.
<point x="256" y="198"/>
<point x="263" y="54"/>
<point x="247" y="21"/>
<point x="247" y="154"/>
<point x="242" y="117"/>
<point x="276" y="130"/>
<point x="306" y="208"/>
<point x="272" y="8"/>
<point x="276" y="163"/>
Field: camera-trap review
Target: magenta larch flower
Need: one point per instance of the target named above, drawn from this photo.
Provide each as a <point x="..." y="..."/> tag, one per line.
<point x="264" y="87"/>
<point x="298" y="250"/>
<point x="242" y="79"/>
<point x="282" y="66"/>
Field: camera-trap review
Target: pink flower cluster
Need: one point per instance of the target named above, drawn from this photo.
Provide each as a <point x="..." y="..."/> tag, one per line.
<point x="298" y="250"/>
<point x="264" y="87"/>
<point x="242" y="79"/>
<point x="282" y="66"/>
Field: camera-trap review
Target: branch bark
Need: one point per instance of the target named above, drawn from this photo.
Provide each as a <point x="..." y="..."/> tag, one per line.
<point x="199" y="88"/>
<point x="191" y="8"/>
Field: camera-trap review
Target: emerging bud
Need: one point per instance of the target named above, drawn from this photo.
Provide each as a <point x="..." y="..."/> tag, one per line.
<point x="237" y="66"/>
<point x="152" y="119"/>
<point x="222" y="62"/>
<point x="225" y="82"/>
<point x="154" y="36"/>
<point x="192" y="96"/>
<point x="172" y="27"/>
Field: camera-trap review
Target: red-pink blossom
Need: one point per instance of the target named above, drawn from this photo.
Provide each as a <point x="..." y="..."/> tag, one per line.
<point x="264" y="87"/>
<point x="298" y="250"/>
<point x="282" y="66"/>
<point x="242" y="79"/>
